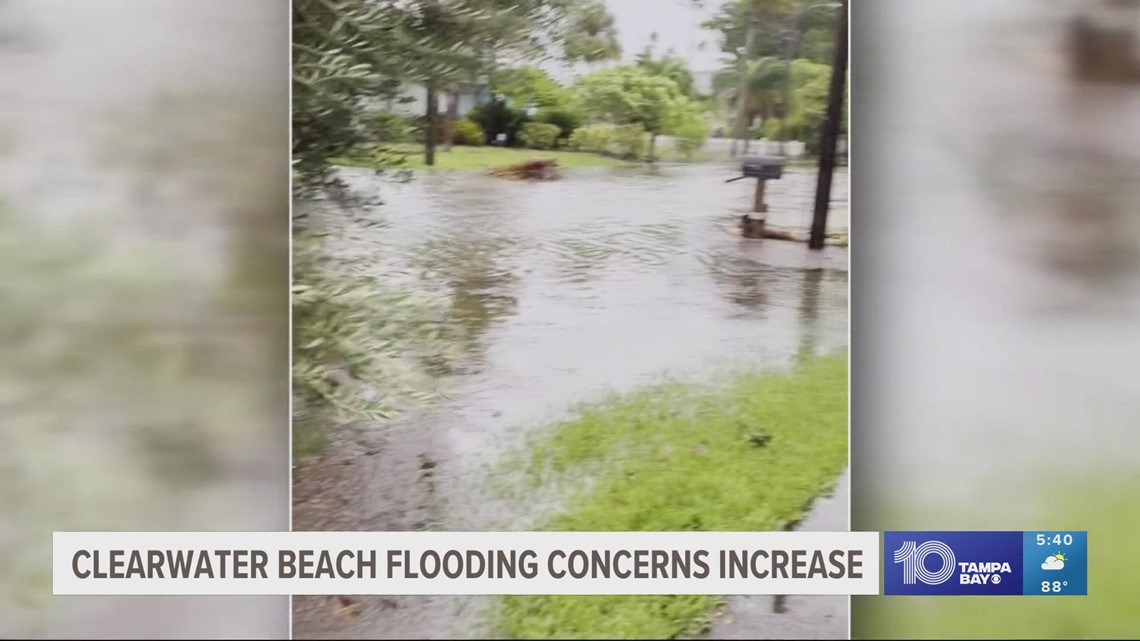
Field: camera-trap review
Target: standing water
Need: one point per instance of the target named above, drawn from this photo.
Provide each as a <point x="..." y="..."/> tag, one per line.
<point x="604" y="281"/>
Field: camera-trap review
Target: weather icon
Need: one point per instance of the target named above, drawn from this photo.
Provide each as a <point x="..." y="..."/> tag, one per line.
<point x="1055" y="562"/>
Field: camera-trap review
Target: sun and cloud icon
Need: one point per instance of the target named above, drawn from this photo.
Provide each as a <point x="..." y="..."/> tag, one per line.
<point x="1055" y="562"/>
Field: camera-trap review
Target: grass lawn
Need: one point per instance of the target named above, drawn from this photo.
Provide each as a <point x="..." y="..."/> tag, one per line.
<point x="309" y="438"/>
<point x="477" y="158"/>
<point x="748" y="457"/>
<point x="1106" y="508"/>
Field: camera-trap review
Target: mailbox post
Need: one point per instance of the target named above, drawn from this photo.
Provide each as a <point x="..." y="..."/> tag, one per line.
<point x="763" y="169"/>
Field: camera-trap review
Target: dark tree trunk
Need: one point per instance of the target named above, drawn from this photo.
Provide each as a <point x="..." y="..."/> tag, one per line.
<point x="431" y="128"/>
<point x="652" y="147"/>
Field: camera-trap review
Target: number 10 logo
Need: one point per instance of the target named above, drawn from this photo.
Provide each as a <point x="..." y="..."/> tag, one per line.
<point x="913" y="559"/>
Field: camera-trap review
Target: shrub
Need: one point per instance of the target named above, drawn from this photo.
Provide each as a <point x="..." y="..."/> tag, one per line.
<point x="565" y="119"/>
<point x="691" y="136"/>
<point x="592" y="138"/>
<point x="385" y="126"/>
<point x="629" y="141"/>
<point x="497" y="117"/>
<point x="362" y="351"/>
<point x="467" y="132"/>
<point x="771" y="129"/>
<point x="539" y="135"/>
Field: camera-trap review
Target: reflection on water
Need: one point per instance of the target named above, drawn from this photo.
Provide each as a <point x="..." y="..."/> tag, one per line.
<point x="625" y="253"/>
<point x="602" y="281"/>
<point x="633" y="250"/>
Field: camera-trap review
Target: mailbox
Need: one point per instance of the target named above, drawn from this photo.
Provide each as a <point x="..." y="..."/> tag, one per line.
<point x="763" y="167"/>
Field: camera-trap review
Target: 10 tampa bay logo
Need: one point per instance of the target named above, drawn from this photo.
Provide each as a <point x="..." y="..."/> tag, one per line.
<point x="952" y="563"/>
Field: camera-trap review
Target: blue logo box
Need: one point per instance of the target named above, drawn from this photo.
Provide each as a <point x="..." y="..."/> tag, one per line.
<point x="958" y="563"/>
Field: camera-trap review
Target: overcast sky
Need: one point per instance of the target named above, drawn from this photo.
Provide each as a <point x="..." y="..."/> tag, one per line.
<point x="677" y="24"/>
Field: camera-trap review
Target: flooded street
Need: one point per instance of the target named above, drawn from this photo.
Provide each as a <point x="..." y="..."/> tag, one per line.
<point x="607" y="280"/>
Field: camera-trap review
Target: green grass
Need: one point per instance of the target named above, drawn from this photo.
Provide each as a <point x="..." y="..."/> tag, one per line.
<point x="676" y="458"/>
<point x="482" y="158"/>
<point x="1107" y="508"/>
<point x="476" y="158"/>
<point x="309" y="439"/>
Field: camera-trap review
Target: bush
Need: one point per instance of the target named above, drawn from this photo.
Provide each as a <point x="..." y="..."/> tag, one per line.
<point x="771" y="129"/>
<point x="362" y="351"/>
<point x="497" y="117"/>
<point x="629" y="141"/>
<point x="539" y="135"/>
<point x="592" y="138"/>
<point x="565" y="119"/>
<point x="626" y="141"/>
<point x="467" y="132"/>
<point x="385" y="126"/>
<point x="690" y="136"/>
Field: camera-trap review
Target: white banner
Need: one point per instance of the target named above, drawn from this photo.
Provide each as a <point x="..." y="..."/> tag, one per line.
<point x="396" y="563"/>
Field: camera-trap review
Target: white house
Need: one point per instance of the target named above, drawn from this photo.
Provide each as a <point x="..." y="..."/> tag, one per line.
<point x="412" y="99"/>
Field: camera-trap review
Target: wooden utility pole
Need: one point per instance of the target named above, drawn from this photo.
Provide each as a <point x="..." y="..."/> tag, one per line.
<point x="830" y="134"/>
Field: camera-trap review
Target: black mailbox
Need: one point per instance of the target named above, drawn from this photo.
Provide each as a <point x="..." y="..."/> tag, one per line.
<point x="763" y="167"/>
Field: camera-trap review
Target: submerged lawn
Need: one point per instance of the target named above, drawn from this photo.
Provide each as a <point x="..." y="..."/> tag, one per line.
<point x="483" y="158"/>
<point x="750" y="457"/>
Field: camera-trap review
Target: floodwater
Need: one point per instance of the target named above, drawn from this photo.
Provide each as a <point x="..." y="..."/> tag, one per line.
<point x="606" y="280"/>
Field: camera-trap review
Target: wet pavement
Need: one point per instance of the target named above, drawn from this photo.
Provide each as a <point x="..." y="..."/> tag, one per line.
<point x="606" y="280"/>
<point x="794" y="617"/>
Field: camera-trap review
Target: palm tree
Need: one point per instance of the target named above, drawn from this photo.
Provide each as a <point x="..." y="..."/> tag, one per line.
<point x="765" y="80"/>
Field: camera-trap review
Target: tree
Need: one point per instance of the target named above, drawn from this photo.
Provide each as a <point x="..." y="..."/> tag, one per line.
<point x="362" y="350"/>
<point x="350" y="336"/>
<point x="812" y="82"/>
<point x="436" y="44"/>
<point x="333" y="66"/>
<point x="371" y="45"/>
<point x="630" y="96"/>
<point x="777" y="22"/>
<point x="670" y="66"/>
<point x="591" y="36"/>
<point x="439" y="43"/>
<point x="530" y="86"/>
<point x="765" y="82"/>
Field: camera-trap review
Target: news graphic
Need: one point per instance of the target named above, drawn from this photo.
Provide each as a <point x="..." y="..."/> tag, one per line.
<point x="1056" y="563"/>
<point x="1053" y="563"/>
<point x="465" y="563"/>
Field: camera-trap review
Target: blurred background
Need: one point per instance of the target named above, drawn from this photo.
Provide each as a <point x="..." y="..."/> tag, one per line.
<point x="996" y="156"/>
<point x="143" y="304"/>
